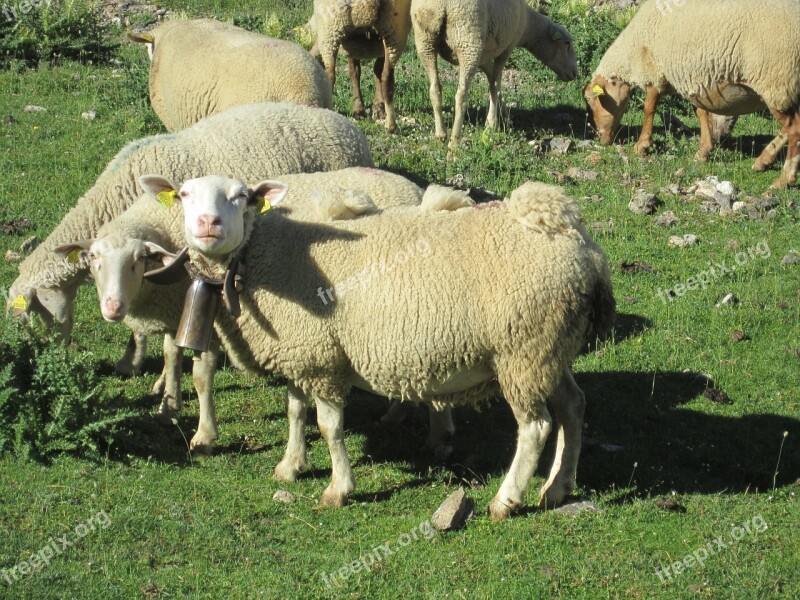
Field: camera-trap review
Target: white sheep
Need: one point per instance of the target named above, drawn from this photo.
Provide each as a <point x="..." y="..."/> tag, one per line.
<point x="149" y="230"/>
<point x="481" y="34"/>
<point x="203" y="67"/>
<point x="425" y="324"/>
<point x="359" y="47"/>
<point x="335" y="21"/>
<point x="729" y="57"/>
<point x="246" y="141"/>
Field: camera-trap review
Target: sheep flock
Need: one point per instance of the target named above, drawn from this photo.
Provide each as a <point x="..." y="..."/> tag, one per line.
<point x="267" y="203"/>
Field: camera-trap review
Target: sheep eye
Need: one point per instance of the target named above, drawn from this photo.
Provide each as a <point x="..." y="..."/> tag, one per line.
<point x="184" y="194"/>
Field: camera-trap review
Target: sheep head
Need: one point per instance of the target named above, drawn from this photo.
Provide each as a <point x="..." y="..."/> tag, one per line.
<point x="607" y="100"/>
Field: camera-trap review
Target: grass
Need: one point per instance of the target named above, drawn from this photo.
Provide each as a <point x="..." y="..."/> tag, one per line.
<point x="181" y="527"/>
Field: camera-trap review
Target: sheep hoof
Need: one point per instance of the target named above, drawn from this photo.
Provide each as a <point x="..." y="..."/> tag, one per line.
<point x="125" y="368"/>
<point x="358" y="111"/>
<point x="552" y="496"/>
<point x="702" y="155"/>
<point x="287" y="472"/>
<point x="641" y="149"/>
<point x="332" y="499"/>
<point x="164" y="417"/>
<point x="441" y="135"/>
<point x="378" y="111"/>
<point x="500" y="511"/>
<point x="201" y="444"/>
<point x="759" y="167"/>
<point x="780" y="183"/>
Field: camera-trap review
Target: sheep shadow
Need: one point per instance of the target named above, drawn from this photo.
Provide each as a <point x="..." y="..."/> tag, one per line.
<point x="640" y="437"/>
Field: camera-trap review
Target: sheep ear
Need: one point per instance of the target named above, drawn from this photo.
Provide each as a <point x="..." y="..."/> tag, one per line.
<point x="141" y="37"/>
<point x="268" y="194"/>
<point x="75" y="251"/>
<point x="555" y="33"/>
<point x="153" y="250"/>
<point x="161" y="187"/>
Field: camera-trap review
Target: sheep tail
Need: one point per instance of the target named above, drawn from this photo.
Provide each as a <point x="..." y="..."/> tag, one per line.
<point x="440" y="198"/>
<point x="338" y="204"/>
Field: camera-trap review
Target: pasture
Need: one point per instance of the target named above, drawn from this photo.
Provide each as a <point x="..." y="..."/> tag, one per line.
<point x="692" y="430"/>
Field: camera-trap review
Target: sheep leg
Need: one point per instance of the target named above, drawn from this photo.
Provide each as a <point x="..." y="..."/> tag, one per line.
<point x="135" y="353"/>
<point x="706" y="139"/>
<point x="790" y="127"/>
<point x="171" y="400"/>
<point x="427" y="56"/>
<point x="770" y="153"/>
<point x="466" y="72"/>
<point x="56" y="307"/>
<point x="354" y="67"/>
<point x="494" y="74"/>
<point x="442" y="427"/>
<point x="330" y="418"/>
<point x="568" y="403"/>
<point x="531" y="436"/>
<point x="294" y="459"/>
<point x="396" y="413"/>
<point x="203" y="370"/>
<point x="387" y="85"/>
<point x="652" y="96"/>
<point x="378" y="105"/>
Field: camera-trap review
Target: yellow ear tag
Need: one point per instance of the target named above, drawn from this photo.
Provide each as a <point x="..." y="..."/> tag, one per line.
<point x="265" y="206"/>
<point x="74" y="257"/>
<point x="597" y="89"/>
<point x="19" y="303"/>
<point x="167" y="198"/>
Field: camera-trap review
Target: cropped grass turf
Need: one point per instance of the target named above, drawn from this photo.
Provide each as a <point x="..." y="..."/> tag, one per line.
<point x="180" y="527"/>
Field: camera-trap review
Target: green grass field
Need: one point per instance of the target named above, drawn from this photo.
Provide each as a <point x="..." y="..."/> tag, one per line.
<point x="145" y="519"/>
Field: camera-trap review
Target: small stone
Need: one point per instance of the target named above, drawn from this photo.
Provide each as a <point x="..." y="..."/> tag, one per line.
<point x="674" y="189"/>
<point x="666" y="219"/>
<point x="454" y="512"/>
<point x="283" y="496"/>
<point x="89" y="115"/>
<point x="559" y="145"/>
<point x="717" y="396"/>
<point x="34" y="108"/>
<point x="684" y="241"/>
<point x="644" y="203"/>
<point x="739" y="336"/>
<point x="728" y="300"/>
<point x="12" y="256"/>
<point x="635" y="267"/>
<point x="76" y="77"/>
<point x="161" y="12"/>
<point x="790" y="259"/>
<point x="580" y="506"/>
<point x="771" y="214"/>
<point x="594" y="158"/>
<point x="584" y="144"/>
<point x="9" y="120"/>
<point x="726" y="188"/>
<point x="29" y="245"/>
<point x="578" y="174"/>
<point x="459" y="181"/>
<point x="665" y="503"/>
<point x="739" y="206"/>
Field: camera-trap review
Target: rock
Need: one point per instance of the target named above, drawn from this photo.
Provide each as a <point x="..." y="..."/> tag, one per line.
<point x="665" y="503"/>
<point x="29" y="245"/>
<point x="559" y="145"/>
<point x="717" y="396"/>
<point x="683" y="241"/>
<point x="673" y="188"/>
<point x="580" y="506"/>
<point x="583" y="144"/>
<point x="728" y="300"/>
<point x="454" y="512"/>
<point x="284" y="497"/>
<point x="666" y="219"/>
<point x="790" y="259"/>
<point x="76" y="77"/>
<point x="89" y="115"/>
<point x="594" y="158"/>
<point x="738" y="206"/>
<point x="459" y="181"/>
<point x="635" y="267"/>
<point x="34" y="108"/>
<point x="12" y="256"/>
<point x="739" y="336"/>
<point x="644" y="203"/>
<point x="9" y="120"/>
<point x="578" y="174"/>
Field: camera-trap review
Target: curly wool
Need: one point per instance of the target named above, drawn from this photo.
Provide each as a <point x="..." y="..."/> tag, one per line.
<point x="203" y="67"/>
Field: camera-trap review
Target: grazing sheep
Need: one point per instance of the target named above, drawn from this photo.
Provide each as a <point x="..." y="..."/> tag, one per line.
<point x="481" y="34"/>
<point x="359" y="46"/>
<point x="335" y="21"/>
<point x="203" y="67"/>
<point x="729" y="57"/>
<point x="427" y="326"/>
<point x="148" y="230"/>
<point x="245" y="141"/>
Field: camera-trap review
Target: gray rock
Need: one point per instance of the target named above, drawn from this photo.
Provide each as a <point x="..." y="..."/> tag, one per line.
<point x="666" y="219"/>
<point x="683" y="241"/>
<point x="584" y="144"/>
<point x="34" y="108"/>
<point x="580" y="506"/>
<point x="790" y="259"/>
<point x="89" y="115"/>
<point x="739" y="206"/>
<point x="578" y="174"/>
<point x="454" y="512"/>
<point x="283" y="496"/>
<point x="559" y="145"/>
<point x="644" y="203"/>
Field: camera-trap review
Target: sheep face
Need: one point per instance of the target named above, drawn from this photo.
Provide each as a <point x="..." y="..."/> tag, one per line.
<point x="117" y="264"/>
<point x="214" y="209"/>
<point x="559" y="53"/>
<point x="607" y="100"/>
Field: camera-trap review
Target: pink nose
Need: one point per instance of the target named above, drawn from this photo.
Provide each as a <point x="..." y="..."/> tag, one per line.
<point x="208" y="221"/>
<point x="113" y="309"/>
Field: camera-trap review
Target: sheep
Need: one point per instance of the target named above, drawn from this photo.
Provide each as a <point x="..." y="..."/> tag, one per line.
<point x="337" y="20"/>
<point x="203" y="67"/>
<point x="358" y="46"/>
<point x="149" y="230"/>
<point x="729" y="57"/>
<point x="431" y="329"/>
<point x="245" y="141"/>
<point x="481" y="34"/>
